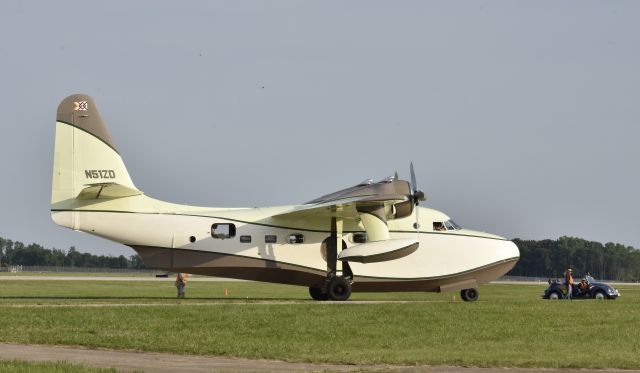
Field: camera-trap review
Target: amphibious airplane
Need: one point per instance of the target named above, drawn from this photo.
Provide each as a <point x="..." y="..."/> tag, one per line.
<point x="370" y="237"/>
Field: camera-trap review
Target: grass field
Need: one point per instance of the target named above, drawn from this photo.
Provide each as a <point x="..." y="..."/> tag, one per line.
<point x="82" y="274"/>
<point x="510" y="326"/>
<point x="24" y="367"/>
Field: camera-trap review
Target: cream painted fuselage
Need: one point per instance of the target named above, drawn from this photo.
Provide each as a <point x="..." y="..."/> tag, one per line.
<point x="179" y="238"/>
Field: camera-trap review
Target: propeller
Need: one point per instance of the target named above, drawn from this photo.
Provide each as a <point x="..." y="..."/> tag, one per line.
<point x="416" y="195"/>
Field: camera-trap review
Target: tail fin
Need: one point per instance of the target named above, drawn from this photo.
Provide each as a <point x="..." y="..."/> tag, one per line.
<point x="86" y="164"/>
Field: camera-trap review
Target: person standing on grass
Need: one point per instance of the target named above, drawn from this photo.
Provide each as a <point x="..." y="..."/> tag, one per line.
<point x="181" y="284"/>
<point x="568" y="282"/>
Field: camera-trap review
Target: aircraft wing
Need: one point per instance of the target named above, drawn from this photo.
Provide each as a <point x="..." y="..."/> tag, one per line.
<point x="345" y="208"/>
<point x="387" y="199"/>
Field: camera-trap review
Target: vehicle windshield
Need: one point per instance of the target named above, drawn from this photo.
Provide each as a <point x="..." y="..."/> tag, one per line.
<point x="589" y="279"/>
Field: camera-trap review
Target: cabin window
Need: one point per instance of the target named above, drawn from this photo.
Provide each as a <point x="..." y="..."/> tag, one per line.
<point x="270" y="238"/>
<point x="223" y="230"/>
<point x="360" y="237"/>
<point x="438" y="226"/>
<point x="245" y="239"/>
<point x="294" y="238"/>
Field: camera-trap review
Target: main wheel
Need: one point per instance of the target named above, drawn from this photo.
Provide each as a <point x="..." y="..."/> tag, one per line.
<point x="554" y="295"/>
<point x="339" y="288"/>
<point x="317" y="293"/>
<point x="469" y="295"/>
<point x="599" y="295"/>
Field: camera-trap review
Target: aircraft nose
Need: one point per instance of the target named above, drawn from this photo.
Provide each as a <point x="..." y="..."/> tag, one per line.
<point x="511" y="250"/>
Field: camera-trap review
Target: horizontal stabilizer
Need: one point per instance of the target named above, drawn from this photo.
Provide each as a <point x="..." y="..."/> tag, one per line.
<point x="106" y="191"/>
<point x="379" y="251"/>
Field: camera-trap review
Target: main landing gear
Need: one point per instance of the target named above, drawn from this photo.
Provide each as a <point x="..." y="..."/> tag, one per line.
<point x="337" y="284"/>
<point x="469" y="295"/>
<point x="337" y="288"/>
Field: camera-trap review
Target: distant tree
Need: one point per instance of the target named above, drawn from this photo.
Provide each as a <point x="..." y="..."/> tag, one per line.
<point x="136" y="262"/>
<point x="549" y="258"/>
<point x="2" y="243"/>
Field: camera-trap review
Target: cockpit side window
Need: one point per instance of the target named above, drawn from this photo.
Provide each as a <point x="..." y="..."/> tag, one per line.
<point x="438" y="226"/>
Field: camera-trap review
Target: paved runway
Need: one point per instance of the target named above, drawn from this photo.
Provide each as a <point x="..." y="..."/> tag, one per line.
<point x="169" y="363"/>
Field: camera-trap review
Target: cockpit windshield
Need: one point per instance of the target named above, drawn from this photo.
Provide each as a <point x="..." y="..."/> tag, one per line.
<point x="451" y="225"/>
<point x="448" y="225"/>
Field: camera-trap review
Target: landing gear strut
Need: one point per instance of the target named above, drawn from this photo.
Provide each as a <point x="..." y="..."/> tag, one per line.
<point x="335" y="287"/>
<point x="469" y="295"/>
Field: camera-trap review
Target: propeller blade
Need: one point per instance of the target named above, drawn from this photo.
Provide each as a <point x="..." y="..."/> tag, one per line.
<point x="416" y="196"/>
<point x="414" y="184"/>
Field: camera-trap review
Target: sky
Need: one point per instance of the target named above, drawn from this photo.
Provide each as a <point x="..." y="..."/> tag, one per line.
<point x="521" y="118"/>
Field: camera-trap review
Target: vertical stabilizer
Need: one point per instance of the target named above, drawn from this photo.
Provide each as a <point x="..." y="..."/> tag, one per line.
<point x="85" y="160"/>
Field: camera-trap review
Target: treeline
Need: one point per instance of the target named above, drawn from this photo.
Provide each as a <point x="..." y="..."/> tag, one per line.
<point x="16" y="253"/>
<point x="544" y="258"/>
<point x="550" y="258"/>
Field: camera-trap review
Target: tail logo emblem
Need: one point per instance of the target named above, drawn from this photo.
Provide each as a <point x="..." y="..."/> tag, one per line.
<point x="81" y="105"/>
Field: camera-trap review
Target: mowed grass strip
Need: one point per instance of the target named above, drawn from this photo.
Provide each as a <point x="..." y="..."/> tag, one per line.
<point x="509" y="327"/>
<point x="57" y="367"/>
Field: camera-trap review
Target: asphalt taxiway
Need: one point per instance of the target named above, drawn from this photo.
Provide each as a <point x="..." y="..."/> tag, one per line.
<point x="170" y="363"/>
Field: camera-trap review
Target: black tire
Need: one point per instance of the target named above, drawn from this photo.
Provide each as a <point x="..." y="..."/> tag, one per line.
<point x="554" y="295"/>
<point x="318" y="294"/>
<point x="469" y="295"/>
<point x="339" y="289"/>
<point x="600" y="295"/>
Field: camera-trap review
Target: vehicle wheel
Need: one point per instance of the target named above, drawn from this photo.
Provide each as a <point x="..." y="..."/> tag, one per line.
<point x="339" y="289"/>
<point x="599" y="295"/>
<point x="317" y="294"/>
<point x="554" y="295"/>
<point x="469" y="295"/>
